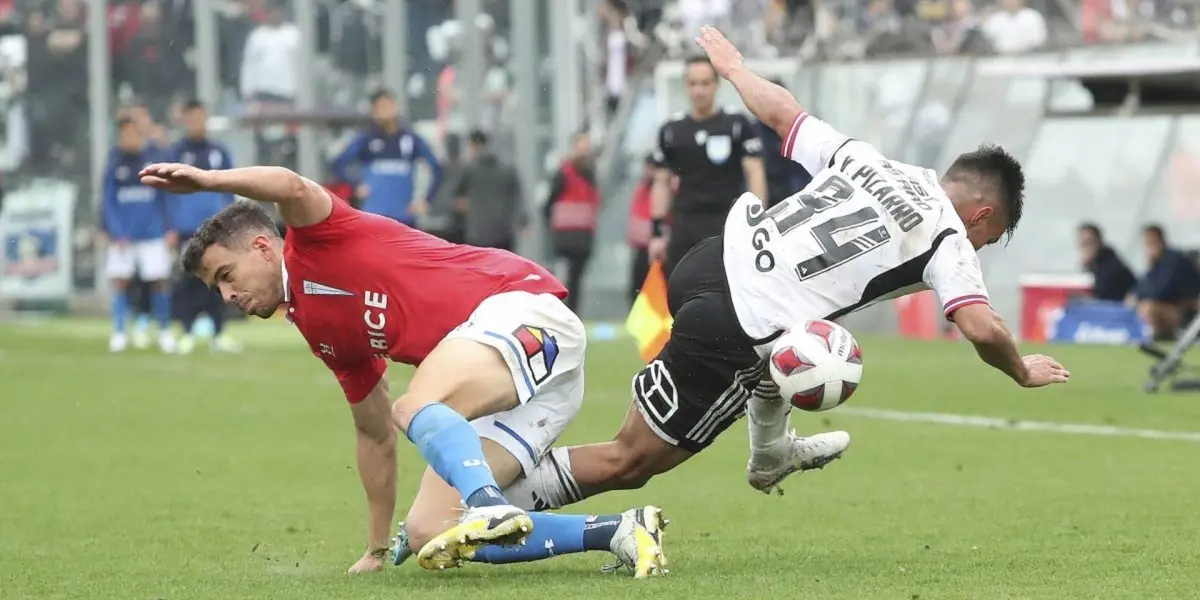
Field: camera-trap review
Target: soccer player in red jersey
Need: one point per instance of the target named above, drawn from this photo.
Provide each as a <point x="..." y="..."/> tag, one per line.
<point x="499" y="362"/>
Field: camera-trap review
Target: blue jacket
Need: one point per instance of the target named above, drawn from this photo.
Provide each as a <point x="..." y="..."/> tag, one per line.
<point x="130" y="210"/>
<point x="386" y="163"/>
<point x="189" y="211"/>
<point x="1172" y="278"/>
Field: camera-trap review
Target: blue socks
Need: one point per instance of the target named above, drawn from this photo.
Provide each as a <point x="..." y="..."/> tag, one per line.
<point x="555" y="534"/>
<point x="120" y="310"/>
<point x="160" y="302"/>
<point x="452" y="448"/>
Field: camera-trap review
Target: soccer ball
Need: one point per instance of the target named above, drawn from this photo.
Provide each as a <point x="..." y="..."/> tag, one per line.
<point x="817" y="366"/>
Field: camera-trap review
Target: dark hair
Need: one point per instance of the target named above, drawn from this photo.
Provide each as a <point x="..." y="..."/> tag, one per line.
<point x="699" y="59"/>
<point x="193" y="104"/>
<point x="381" y="94"/>
<point x="1093" y="229"/>
<point x="226" y="228"/>
<point x="998" y="168"/>
<point x="478" y="137"/>
<point x="1156" y="230"/>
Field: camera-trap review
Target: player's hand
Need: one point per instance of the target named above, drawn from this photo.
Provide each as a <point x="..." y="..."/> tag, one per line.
<point x="369" y="563"/>
<point x="724" y="56"/>
<point x="1043" y="370"/>
<point x="362" y="191"/>
<point x="172" y="239"/>
<point x="657" y="249"/>
<point x="176" y="178"/>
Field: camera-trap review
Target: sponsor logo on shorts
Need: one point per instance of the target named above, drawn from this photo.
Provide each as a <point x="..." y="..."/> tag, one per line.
<point x="540" y="348"/>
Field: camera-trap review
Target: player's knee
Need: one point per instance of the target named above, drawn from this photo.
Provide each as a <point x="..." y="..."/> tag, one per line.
<point x="407" y="406"/>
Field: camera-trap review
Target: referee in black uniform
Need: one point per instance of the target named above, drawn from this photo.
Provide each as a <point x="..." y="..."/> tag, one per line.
<point x="717" y="156"/>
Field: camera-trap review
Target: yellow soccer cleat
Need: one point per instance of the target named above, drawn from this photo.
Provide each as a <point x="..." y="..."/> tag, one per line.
<point x="478" y="527"/>
<point x="638" y="542"/>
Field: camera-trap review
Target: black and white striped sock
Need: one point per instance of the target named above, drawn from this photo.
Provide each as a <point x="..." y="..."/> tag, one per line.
<point x="551" y="485"/>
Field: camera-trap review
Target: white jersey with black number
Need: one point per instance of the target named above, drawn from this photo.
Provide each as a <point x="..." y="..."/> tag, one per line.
<point x="865" y="229"/>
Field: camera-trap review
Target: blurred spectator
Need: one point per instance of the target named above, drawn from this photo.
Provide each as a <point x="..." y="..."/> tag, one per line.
<point x="270" y="61"/>
<point x="1015" y="28"/>
<point x="1167" y="294"/>
<point x="58" y="87"/>
<point x="639" y="228"/>
<point x="1112" y="278"/>
<point x="446" y="214"/>
<point x="960" y="32"/>
<point x="153" y="63"/>
<point x="618" y="58"/>
<point x="490" y="194"/>
<point x="784" y="176"/>
<point x="187" y="213"/>
<point x="387" y="155"/>
<point x="571" y="210"/>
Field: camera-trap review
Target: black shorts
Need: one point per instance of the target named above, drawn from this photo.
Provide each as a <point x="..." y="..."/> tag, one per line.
<point x="699" y="384"/>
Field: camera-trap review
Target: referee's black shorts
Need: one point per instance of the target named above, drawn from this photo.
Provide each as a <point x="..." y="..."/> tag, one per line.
<point x="699" y="384"/>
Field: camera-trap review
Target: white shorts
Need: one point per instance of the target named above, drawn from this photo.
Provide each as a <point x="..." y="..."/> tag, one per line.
<point x="149" y="258"/>
<point x="543" y="343"/>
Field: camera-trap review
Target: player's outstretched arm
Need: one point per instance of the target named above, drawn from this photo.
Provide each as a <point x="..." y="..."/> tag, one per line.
<point x="376" y="452"/>
<point x="301" y="202"/>
<point x="774" y="106"/>
<point x="984" y="328"/>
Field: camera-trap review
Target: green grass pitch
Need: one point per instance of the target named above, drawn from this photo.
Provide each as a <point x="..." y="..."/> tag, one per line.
<point x="218" y="477"/>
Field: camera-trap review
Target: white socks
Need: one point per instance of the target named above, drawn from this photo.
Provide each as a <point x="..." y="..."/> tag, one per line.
<point x="551" y="485"/>
<point x="767" y="414"/>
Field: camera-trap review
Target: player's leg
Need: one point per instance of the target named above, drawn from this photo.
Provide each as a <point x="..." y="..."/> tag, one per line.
<point x="154" y="263"/>
<point x="119" y="268"/>
<point x="189" y="298"/>
<point x="493" y="363"/>
<point x="514" y="441"/>
<point x="682" y="400"/>
<point x="1163" y="317"/>
<point x="775" y="450"/>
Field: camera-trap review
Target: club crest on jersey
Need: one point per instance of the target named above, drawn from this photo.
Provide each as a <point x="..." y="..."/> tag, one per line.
<point x="540" y="348"/>
<point x="719" y="148"/>
<point x="312" y="288"/>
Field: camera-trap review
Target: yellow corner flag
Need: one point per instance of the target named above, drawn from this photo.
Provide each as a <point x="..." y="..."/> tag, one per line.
<point x="649" y="320"/>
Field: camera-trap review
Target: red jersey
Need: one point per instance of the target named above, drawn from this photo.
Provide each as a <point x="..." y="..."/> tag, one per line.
<point x="362" y="288"/>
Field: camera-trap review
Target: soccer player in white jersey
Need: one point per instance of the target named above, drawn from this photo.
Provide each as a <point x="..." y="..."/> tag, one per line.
<point x="866" y="229"/>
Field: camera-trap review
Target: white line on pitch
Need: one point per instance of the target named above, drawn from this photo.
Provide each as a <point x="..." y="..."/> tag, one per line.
<point x="1018" y="425"/>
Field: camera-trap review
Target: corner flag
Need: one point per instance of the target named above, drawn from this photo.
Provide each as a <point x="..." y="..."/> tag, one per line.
<point x="649" y="320"/>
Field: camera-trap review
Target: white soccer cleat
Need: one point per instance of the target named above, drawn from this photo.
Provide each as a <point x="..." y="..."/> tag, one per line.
<point x="119" y="342"/>
<point x="166" y="342"/>
<point x="638" y="543"/>
<point x="480" y="526"/>
<point x="801" y="454"/>
<point x="226" y="344"/>
<point x="141" y="339"/>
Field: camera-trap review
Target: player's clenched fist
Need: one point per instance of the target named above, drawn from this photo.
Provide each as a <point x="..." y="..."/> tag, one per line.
<point x="175" y="177"/>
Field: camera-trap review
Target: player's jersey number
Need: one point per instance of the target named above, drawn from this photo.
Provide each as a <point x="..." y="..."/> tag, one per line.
<point x="790" y="215"/>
